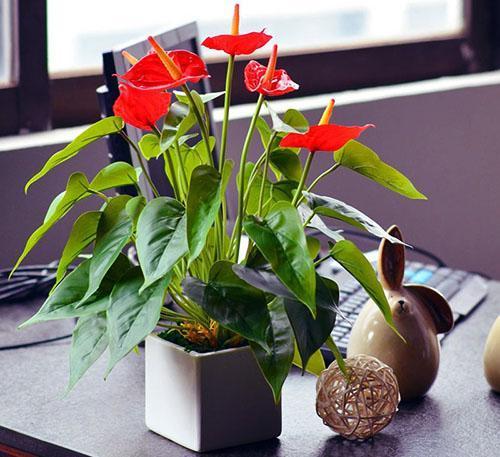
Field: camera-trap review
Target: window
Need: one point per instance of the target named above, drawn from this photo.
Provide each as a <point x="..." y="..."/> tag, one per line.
<point x="50" y="50"/>
<point x="80" y="31"/>
<point x="6" y="67"/>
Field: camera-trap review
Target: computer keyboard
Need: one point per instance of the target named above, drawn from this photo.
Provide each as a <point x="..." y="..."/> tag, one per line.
<point x="463" y="290"/>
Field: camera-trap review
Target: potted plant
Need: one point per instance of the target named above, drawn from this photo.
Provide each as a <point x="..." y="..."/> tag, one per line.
<point x="233" y="317"/>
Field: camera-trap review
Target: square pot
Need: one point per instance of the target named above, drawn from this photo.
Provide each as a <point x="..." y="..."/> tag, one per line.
<point x="207" y="401"/>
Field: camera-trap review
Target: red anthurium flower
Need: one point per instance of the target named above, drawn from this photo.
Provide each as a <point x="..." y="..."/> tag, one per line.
<point x="165" y="69"/>
<point x="141" y="108"/>
<point x="268" y="80"/>
<point x="236" y="44"/>
<point x="324" y="136"/>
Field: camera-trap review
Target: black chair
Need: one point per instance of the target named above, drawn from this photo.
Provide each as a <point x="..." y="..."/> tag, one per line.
<point x="184" y="37"/>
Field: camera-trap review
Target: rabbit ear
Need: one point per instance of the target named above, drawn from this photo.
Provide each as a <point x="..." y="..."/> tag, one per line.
<point x="391" y="261"/>
<point x="436" y="304"/>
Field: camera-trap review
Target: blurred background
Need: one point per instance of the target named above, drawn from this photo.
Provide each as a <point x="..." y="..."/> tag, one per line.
<point x="424" y="71"/>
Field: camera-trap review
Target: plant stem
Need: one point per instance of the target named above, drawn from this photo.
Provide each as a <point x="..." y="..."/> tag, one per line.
<point x="141" y="162"/>
<point x="309" y="219"/>
<point x="201" y="123"/>
<point x="185" y="183"/>
<point x="241" y="192"/>
<point x="320" y="261"/>
<point x="297" y="198"/>
<point x="264" y="175"/>
<point x="322" y="175"/>
<point x="227" y="104"/>
<point x="223" y="148"/>
<point x="99" y="194"/>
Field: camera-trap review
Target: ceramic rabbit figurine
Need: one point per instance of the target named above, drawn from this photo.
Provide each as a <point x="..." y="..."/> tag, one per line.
<point x="419" y="313"/>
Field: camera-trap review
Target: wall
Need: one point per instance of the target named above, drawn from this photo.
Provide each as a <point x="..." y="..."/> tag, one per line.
<point x="444" y="136"/>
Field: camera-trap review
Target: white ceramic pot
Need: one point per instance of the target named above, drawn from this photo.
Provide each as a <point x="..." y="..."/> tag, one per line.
<point x="207" y="401"/>
<point x="492" y="356"/>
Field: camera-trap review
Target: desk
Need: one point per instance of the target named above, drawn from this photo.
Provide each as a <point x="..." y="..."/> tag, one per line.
<point x="459" y="417"/>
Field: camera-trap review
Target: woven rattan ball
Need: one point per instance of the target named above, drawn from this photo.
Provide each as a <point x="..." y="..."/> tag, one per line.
<point x="361" y="405"/>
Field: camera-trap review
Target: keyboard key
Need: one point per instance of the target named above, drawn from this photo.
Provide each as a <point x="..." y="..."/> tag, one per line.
<point x="421" y="276"/>
<point x="448" y="288"/>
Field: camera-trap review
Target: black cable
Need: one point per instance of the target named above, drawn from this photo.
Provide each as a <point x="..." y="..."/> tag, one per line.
<point x="34" y="343"/>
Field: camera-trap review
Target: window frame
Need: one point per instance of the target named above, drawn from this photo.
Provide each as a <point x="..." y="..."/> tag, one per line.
<point x="39" y="103"/>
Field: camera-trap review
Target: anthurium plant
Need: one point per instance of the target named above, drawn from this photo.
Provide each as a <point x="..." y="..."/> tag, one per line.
<point x="193" y="276"/>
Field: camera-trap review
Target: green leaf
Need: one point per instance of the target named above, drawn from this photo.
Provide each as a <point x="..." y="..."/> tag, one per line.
<point x="179" y="120"/>
<point x="254" y="190"/>
<point x="296" y="119"/>
<point x="276" y="362"/>
<point x="76" y="190"/>
<point x="263" y="279"/>
<point x="338" y="356"/>
<point x="149" y="145"/>
<point x="283" y="190"/>
<point x="232" y="302"/>
<point x="96" y="131"/>
<point x="352" y="259"/>
<point x="82" y="234"/>
<point x="317" y="223"/>
<point x="134" y="208"/>
<point x="286" y="162"/>
<point x="132" y="316"/>
<point x="265" y="131"/>
<point x="113" y="233"/>
<point x="205" y="98"/>
<point x="90" y="340"/>
<point x="337" y="209"/>
<point x="311" y="333"/>
<point x="293" y="116"/>
<point x="313" y="246"/>
<point x="203" y="202"/>
<point x="161" y="238"/>
<point x="115" y="174"/>
<point x="315" y="365"/>
<point x="363" y="160"/>
<point x="62" y="302"/>
<point x="281" y="240"/>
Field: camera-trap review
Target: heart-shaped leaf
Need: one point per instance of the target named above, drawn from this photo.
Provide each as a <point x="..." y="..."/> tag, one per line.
<point x="113" y="233"/>
<point x="161" y="238"/>
<point x="82" y="234"/>
<point x="281" y="240"/>
<point x="363" y="160"/>
<point x="62" y="302"/>
<point x="96" y="131"/>
<point x="353" y="260"/>
<point x="203" y="203"/>
<point x="115" y="174"/>
<point x="149" y="145"/>
<point x="293" y="121"/>
<point x="132" y="316"/>
<point x="286" y="162"/>
<point x="76" y="190"/>
<point x="315" y="365"/>
<point x="134" y="208"/>
<point x="90" y="340"/>
<point x="337" y="209"/>
<point x="311" y="333"/>
<point x="276" y="362"/>
<point x="315" y="222"/>
<point x="205" y="98"/>
<point x="232" y="302"/>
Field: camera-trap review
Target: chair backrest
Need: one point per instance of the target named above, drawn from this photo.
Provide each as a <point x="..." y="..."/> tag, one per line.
<point x="184" y="37"/>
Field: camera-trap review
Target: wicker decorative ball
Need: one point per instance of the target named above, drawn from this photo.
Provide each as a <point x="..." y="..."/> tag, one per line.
<point x="359" y="406"/>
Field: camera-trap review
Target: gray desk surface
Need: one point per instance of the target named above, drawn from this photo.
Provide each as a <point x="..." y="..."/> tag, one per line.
<point x="459" y="417"/>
